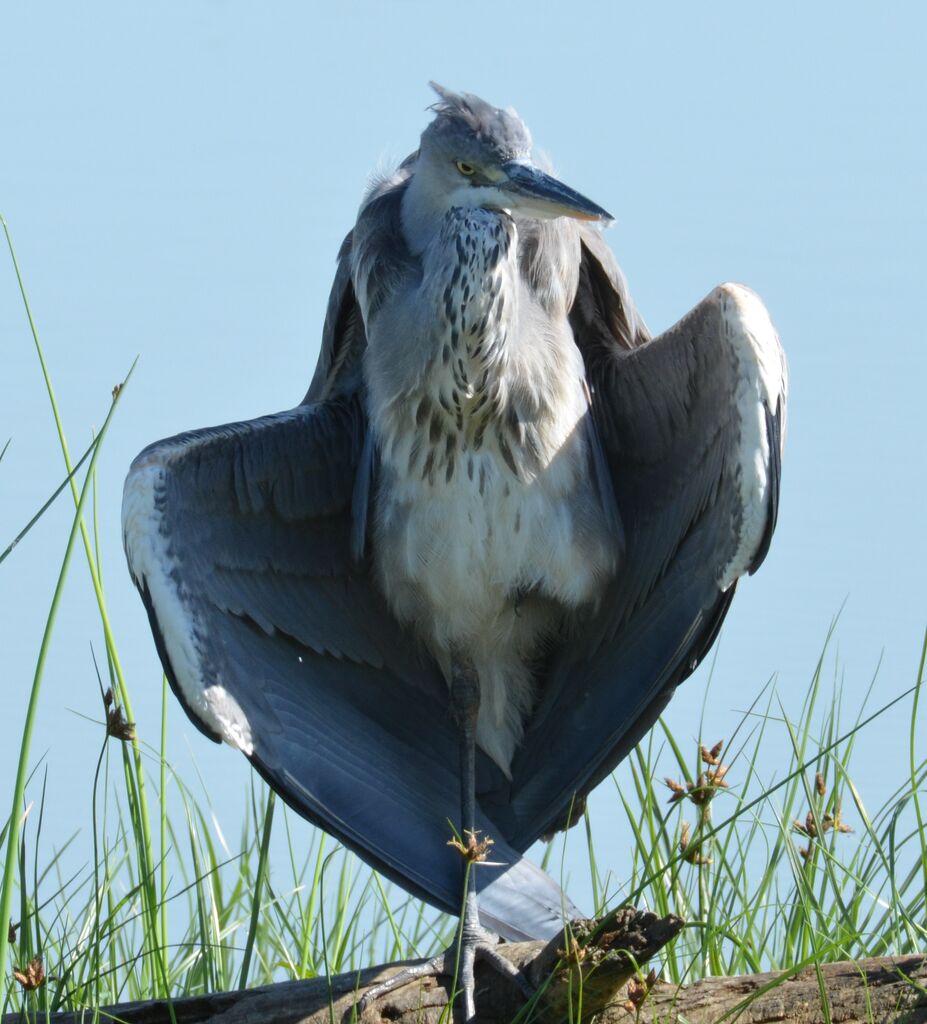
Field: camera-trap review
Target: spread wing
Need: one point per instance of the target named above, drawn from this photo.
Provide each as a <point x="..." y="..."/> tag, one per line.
<point x="691" y="424"/>
<point x="241" y="541"/>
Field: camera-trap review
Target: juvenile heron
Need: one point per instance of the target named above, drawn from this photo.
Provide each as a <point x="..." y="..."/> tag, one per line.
<point x="500" y="498"/>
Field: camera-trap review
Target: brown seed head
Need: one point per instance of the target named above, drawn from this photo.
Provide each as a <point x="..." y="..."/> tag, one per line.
<point x="32" y="976"/>
<point x="638" y="990"/>
<point x="678" y="791"/>
<point x="819" y="784"/>
<point x="691" y="852"/>
<point x="712" y="756"/>
<point x="117" y="726"/>
<point x="473" y="850"/>
<point x="836" y="821"/>
<point x="701" y="792"/>
<point x="695" y="856"/>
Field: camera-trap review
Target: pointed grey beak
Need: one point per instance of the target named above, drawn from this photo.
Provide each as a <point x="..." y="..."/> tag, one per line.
<point x="540" y="195"/>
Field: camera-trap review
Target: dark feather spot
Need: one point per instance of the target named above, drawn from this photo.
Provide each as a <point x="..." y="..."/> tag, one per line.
<point x="470" y="467"/>
<point x="506" y="452"/>
<point x="478" y="408"/>
<point x="434" y="428"/>
<point x="421" y="413"/>
<point x="428" y="470"/>
<point x="482" y="480"/>
<point x="446" y="354"/>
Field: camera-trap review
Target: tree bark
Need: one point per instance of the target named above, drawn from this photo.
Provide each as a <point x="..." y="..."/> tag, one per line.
<point x="599" y="964"/>
<point x="878" y="990"/>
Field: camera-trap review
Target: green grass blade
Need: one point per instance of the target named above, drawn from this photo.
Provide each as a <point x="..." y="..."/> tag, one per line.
<point x="48" y="504"/>
<point x="262" y="870"/>
<point x="6" y="894"/>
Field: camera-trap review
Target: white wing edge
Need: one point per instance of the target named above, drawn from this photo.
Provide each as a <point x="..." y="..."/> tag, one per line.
<point x="762" y="387"/>
<point x="152" y="565"/>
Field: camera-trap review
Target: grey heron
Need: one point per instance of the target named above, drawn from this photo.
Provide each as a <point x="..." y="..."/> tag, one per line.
<point x="504" y="520"/>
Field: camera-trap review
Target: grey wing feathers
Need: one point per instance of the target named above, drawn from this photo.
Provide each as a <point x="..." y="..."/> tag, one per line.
<point x="338" y="370"/>
<point x="691" y="426"/>
<point x="275" y="640"/>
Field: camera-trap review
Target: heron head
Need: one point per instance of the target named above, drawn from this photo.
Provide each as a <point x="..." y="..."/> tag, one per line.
<point x="474" y="154"/>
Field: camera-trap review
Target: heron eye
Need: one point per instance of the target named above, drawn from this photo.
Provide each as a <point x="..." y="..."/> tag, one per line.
<point x="466" y="169"/>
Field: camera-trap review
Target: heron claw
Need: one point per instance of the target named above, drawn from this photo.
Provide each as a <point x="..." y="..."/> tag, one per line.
<point x="481" y="945"/>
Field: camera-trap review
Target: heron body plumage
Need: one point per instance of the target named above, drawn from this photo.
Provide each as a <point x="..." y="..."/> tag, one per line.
<point x="488" y="525"/>
<point x="497" y="478"/>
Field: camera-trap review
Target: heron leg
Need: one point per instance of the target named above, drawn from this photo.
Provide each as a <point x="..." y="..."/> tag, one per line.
<point x="465" y="698"/>
<point x="474" y="942"/>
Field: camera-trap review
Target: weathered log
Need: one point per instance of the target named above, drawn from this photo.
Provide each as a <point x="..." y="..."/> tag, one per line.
<point x="888" y="989"/>
<point x="602" y="955"/>
<point x="879" y="990"/>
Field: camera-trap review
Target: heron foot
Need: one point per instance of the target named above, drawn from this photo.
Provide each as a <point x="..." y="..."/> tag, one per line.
<point x="460" y="959"/>
<point x="483" y="946"/>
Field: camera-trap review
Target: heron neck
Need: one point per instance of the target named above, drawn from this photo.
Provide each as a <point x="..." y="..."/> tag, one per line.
<point x="424" y="206"/>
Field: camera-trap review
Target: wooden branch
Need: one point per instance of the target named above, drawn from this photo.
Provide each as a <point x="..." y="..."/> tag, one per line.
<point x="604" y="952"/>
<point x="881" y="990"/>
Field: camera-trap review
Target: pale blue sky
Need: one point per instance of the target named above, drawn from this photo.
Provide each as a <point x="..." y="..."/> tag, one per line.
<point x="178" y="177"/>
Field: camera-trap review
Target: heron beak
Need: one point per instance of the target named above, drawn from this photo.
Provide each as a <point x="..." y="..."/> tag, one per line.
<point x="541" y="195"/>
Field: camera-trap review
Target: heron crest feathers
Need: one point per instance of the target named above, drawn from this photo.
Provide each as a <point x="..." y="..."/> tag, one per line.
<point x="463" y="113"/>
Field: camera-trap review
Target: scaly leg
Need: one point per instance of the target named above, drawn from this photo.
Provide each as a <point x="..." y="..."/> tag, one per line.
<point x="465" y="699"/>
<point x="474" y="941"/>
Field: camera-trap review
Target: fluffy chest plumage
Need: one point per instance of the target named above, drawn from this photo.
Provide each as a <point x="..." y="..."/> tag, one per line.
<point x="484" y="493"/>
<point x="488" y="524"/>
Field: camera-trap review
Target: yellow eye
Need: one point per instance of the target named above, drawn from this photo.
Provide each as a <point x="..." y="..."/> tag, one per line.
<point x="465" y="169"/>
